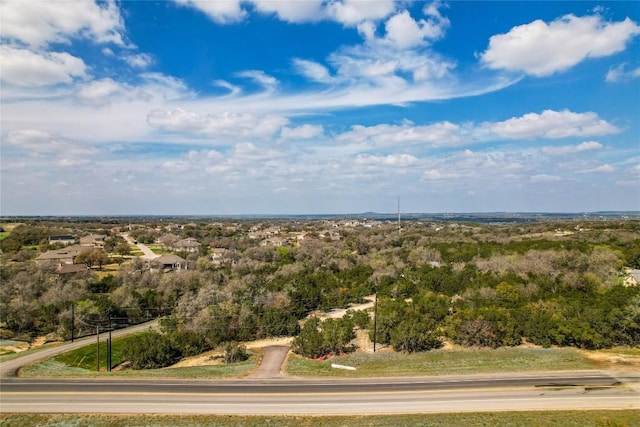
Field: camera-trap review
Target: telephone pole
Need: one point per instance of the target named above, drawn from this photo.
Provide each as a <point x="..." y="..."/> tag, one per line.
<point x="73" y="320"/>
<point x="399" y="228"/>
<point x="98" y="348"/>
<point x="375" y="321"/>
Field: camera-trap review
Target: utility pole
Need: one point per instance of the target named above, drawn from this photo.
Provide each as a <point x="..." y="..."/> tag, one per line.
<point x="109" y="345"/>
<point x="98" y="348"/>
<point x="375" y="322"/>
<point x="73" y="320"/>
<point x="399" y="228"/>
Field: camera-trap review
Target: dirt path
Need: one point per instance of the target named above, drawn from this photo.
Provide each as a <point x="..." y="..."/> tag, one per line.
<point x="272" y="361"/>
<point x="340" y="312"/>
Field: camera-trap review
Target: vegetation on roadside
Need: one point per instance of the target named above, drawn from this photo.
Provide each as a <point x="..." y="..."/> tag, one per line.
<point x="51" y="368"/>
<point x="441" y="362"/>
<point x="595" y="418"/>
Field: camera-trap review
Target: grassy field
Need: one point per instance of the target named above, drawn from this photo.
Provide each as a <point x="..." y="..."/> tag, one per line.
<point x="158" y="249"/>
<point x="625" y="418"/>
<point x="53" y="368"/>
<point x="85" y="357"/>
<point x="442" y="362"/>
<point x="82" y="362"/>
<point x="134" y="251"/>
<point x="7" y="227"/>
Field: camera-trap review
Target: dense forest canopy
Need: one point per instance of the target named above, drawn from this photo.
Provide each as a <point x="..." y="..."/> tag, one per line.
<point x="475" y="284"/>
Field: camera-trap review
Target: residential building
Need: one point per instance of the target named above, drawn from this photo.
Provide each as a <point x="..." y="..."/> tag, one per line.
<point x="62" y="239"/>
<point x="167" y="262"/>
<point x="633" y="279"/>
<point x="65" y="255"/>
<point x="93" y="240"/>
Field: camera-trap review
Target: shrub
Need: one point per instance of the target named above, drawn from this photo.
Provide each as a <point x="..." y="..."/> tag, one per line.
<point x="234" y="352"/>
<point x="411" y="336"/>
<point x="151" y="350"/>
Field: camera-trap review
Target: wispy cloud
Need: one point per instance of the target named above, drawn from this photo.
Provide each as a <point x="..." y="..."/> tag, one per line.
<point x="619" y="73"/>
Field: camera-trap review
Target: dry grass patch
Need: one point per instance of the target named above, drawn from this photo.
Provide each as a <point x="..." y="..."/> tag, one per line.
<point x="624" y="418"/>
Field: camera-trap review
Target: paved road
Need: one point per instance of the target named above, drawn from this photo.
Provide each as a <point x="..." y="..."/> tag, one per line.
<point x="578" y="390"/>
<point x="267" y="393"/>
<point x="272" y="360"/>
<point x="9" y="368"/>
<point x="148" y="253"/>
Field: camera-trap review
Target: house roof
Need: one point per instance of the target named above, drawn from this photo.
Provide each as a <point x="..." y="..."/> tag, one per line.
<point x="61" y="237"/>
<point x="69" y="251"/>
<point x="635" y="274"/>
<point x="168" y="259"/>
<point x="186" y="243"/>
<point x="71" y="268"/>
<point x="93" y="238"/>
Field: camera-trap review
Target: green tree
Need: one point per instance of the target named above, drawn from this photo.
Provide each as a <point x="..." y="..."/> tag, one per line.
<point x="309" y="342"/>
<point x="415" y="336"/>
<point x="150" y="350"/>
<point x="336" y="334"/>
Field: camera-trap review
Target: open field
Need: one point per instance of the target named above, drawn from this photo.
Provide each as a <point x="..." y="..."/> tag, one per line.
<point x="442" y="362"/>
<point x="597" y="418"/>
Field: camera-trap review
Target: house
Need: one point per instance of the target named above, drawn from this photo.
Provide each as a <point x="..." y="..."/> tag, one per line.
<point x="93" y="240"/>
<point x="168" y="240"/>
<point x="62" y="239"/>
<point x="70" y="269"/>
<point x="187" y="245"/>
<point x="167" y="262"/>
<point x="220" y="256"/>
<point x="65" y="255"/>
<point x="274" y="241"/>
<point x="633" y="279"/>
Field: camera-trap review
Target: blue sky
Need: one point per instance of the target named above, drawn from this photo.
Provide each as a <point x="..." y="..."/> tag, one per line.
<point x="277" y="107"/>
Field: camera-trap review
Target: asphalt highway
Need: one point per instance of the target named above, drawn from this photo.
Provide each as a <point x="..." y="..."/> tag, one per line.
<point x="266" y="392"/>
<point x="578" y="390"/>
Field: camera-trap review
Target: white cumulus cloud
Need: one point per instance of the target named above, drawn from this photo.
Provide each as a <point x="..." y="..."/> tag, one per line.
<point x="571" y="149"/>
<point x="552" y="124"/>
<point x="24" y="67"/>
<point x="542" y="49"/>
<point x="222" y="12"/>
<point x="405" y="32"/>
<point x="222" y="124"/>
<point x="395" y="160"/>
<point x="291" y="11"/>
<point x="140" y="60"/>
<point x="353" y="12"/>
<point x="302" y="132"/>
<point x="36" y="142"/>
<point x="99" y="90"/>
<point x="441" y="133"/>
<point x="39" y="23"/>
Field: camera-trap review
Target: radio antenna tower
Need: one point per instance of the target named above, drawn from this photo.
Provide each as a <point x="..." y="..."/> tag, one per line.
<point x="399" y="228"/>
